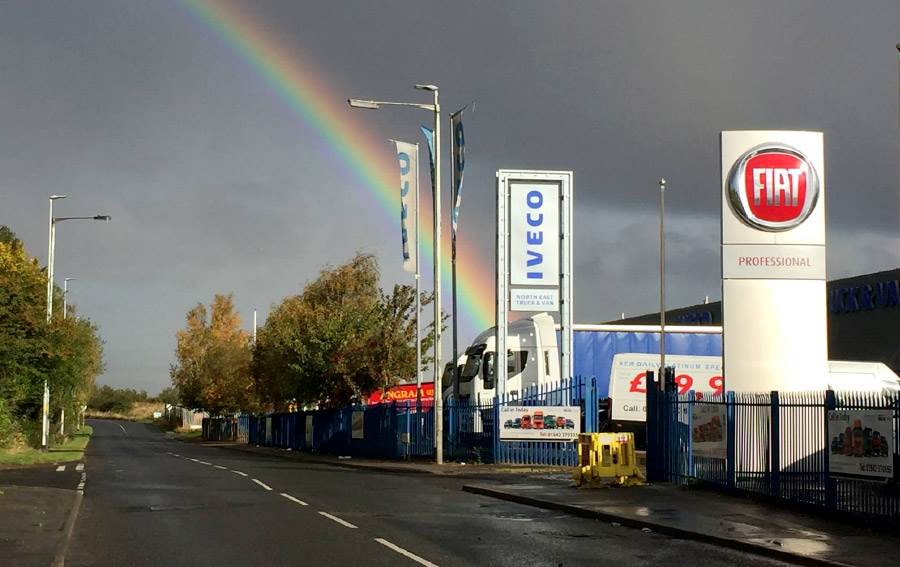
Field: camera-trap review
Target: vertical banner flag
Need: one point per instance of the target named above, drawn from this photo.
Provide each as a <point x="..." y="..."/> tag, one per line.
<point x="409" y="178"/>
<point x="459" y="166"/>
<point x="429" y="136"/>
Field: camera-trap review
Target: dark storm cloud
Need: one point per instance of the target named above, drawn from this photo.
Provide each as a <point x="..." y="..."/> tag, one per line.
<point x="138" y="110"/>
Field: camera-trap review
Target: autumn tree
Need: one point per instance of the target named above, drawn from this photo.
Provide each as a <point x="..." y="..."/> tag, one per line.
<point x="67" y="352"/>
<point x="213" y="354"/>
<point x="339" y="340"/>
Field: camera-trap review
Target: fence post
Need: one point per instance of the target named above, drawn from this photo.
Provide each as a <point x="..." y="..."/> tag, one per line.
<point x="653" y="434"/>
<point x="496" y="428"/>
<point x="830" y="484"/>
<point x="775" y="446"/>
<point x="730" y="443"/>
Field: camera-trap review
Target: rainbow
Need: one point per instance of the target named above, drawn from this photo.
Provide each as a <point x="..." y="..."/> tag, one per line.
<point x="368" y="156"/>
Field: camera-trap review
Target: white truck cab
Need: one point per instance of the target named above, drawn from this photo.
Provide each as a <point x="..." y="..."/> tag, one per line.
<point x="532" y="359"/>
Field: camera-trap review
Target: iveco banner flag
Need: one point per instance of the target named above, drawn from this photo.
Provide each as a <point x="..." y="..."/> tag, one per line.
<point x="407" y="156"/>
<point x="534" y="234"/>
<point x="429" y="137"/>
<point x="459" y="166"/>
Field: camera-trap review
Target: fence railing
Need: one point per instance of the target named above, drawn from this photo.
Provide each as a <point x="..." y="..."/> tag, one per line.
<point x="778" y="444"/>
<point x="404" y="430"/>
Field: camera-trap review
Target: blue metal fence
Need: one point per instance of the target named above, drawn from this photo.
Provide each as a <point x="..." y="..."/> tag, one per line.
<point x="775" y="444"/>
<point x="406" y="430"/>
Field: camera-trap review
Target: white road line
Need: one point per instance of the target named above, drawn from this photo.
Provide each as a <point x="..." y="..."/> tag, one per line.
<point x="261" y="483"/>
<point x="221" y="467"/>
<point x="405" y="553"/>
<point x="240" y="473"/>
<point x="60" y="468"/>
<point x="79" y="467"/>
<point x="195" y="460"/>
<point x="292" y="499"/>
<point x="204" y="463"/>
<point x="338" y="520"/>
<point x="123" y="429"/>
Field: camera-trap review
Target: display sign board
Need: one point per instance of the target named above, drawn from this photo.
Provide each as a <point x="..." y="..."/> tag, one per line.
<point x="534" y="234"/>
<point x="534" y="254"/>
<point x="860" y="442"/>
<point x="628" y="380"/>
<point x="533" y="299"/>
<point x="540" y="423"/>
<point x="708" y="430"/>
<point x="773" y="260"/>
<point x="357" y="424"/>
<point x="403" y="393"/>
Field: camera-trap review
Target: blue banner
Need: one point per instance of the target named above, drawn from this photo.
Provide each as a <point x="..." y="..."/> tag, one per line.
<point x="459" y="166"/>
<point x="429" y="137"/>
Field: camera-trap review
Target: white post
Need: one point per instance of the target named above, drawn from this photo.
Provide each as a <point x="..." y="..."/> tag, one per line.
<point x="254" y="327"/>
<point x="418" y="293"/>
<point x="45" y="405"/>
<point x="438" y="387"/>
<point x="62" y="422"/>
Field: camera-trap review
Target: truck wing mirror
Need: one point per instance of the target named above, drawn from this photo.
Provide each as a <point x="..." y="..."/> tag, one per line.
<point x="487" y="370"/>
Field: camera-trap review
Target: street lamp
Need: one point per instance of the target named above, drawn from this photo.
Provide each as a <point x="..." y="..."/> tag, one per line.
<point x="66" y="296"/>
<point x="51" y="247"/>
<point x="662" y="283"/>
<point x="438" y="390"/>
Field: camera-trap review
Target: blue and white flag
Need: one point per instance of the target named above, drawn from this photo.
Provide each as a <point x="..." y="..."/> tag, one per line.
<point x="429" y="136"/>
<point x="459" y="166"/>
<point x="408" y="156"/>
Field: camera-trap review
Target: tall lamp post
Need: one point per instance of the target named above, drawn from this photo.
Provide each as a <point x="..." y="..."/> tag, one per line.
<point x="66" y="296"/>
<point x="438" y="390"/>
<point x="662" y="283"/>
<point x="51" y="247"/>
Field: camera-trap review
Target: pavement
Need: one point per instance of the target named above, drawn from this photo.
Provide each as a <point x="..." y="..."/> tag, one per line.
<point x="150" y="500"/>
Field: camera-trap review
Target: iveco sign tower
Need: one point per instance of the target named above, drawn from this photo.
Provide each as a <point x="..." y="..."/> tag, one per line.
<point x="773" y="261"/>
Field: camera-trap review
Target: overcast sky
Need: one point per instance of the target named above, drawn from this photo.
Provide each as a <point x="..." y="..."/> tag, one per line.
<point x="139" y="110"/>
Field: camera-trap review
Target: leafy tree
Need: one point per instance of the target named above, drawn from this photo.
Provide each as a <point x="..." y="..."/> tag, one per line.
<point x="120" y="400"/>
<point x="213" y="354"/>
<point x="168" y="396"/>
<point x="339" y="340"/>
<point x="67" y="353"/>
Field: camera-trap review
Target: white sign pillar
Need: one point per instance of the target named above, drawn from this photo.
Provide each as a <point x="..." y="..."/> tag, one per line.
<point x="773" y="261"/>
<point x="534" y="256"/>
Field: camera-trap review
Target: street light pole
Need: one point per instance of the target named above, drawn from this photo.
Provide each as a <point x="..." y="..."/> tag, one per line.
<point x="662" y="282"/>
<point x="438" y="391"/>
<point x="51" y="248"/>
<point x="66" y="296"/>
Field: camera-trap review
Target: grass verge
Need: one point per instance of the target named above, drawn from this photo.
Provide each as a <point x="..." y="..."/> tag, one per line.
<point x="70" y="450"/>
<point x="188" y="434"/>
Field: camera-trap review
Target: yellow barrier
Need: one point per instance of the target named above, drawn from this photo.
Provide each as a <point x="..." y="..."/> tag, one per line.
<point x="607" y="458"/>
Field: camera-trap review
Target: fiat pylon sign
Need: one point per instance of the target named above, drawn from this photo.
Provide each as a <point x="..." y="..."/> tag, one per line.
<point x="773" y="187"/>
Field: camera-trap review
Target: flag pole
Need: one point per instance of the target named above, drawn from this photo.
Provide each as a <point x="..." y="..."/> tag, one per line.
<point x="418" y="296"/>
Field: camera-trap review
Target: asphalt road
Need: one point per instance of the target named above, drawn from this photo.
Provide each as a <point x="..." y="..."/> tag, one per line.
<point x="150" y="500"/>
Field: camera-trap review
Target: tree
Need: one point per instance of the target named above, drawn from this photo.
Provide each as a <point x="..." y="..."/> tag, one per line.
<point x="212" y="369"/>
<point x="339" y="340"/>
<point x="168" y="396"/>
<point x="68" y="353"/>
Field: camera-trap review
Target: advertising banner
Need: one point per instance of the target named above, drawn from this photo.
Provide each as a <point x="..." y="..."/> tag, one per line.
<point x="407" y="157"/>
<point x="628" y="380"/>
<point x="860" y="441"/>
<point x="309" y="431"/>
<point x="534" y="234"/>
<point x="357" y="421"/>
<point x="402" y="394"/>
<point x="459" y="167"/>
<point x="533" y="299"/>
<point x="708" y="430"/>
<point x="540" y="423"/>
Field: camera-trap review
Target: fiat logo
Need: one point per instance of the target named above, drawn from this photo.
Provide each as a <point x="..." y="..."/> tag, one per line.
<point x="773" y="187"/>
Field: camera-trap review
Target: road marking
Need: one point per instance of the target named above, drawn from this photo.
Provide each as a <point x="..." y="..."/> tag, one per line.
<point x="240" y="473"/>
<point x="261" y="483"/>
<point x="195" y="460"/>
<point x="204" y="463"/>
<point x="175" y="454"/>
<point x="79" y="467"/>
<point x="292" y="499"/>
<point x="60" y="468"/>
<point x="122" y="427"/>
<point x="405" y="553"/>
<point x="221" y="467"/>
<point x="338" y="520"/>
<point x="63" y="547"/>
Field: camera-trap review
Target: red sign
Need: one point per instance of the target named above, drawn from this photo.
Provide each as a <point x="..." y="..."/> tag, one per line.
<point x="773" y="187"/>
<point x="403" y="393"/>
<point x="684" y="383"/>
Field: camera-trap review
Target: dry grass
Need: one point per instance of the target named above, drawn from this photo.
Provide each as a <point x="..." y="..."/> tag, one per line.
<point x="140" y="411"/>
